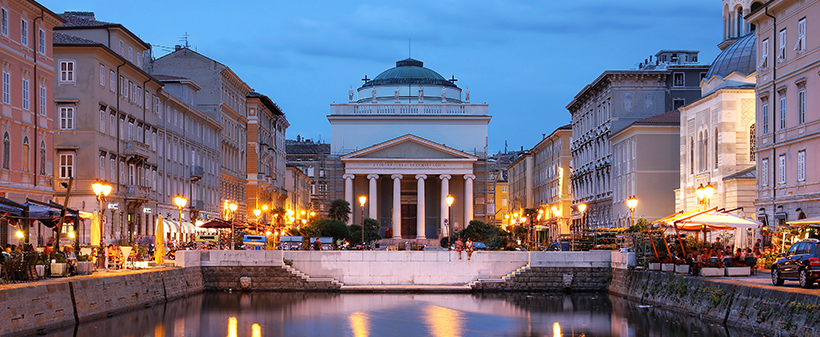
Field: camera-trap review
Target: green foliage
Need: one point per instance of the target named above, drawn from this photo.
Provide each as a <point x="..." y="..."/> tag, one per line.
<point x="639" y="226"/>
<point x="288" y="262"/>
<point x="339" y="210"/>
<point x="371" y="232"/>
<point x="83" y="257"/>
<point x="491" y="235"/>
<point x="335" y="229"/>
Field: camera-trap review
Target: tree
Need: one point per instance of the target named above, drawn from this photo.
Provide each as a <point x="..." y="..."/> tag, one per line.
<point x="331" y="228"/>
<point x="339" y="210"/>
<point x="371" y="233"/>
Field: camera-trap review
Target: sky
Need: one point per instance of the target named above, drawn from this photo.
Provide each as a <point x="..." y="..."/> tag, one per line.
<point x="526" y="59"/>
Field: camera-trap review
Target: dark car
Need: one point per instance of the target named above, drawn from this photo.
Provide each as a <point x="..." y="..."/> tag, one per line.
<point x="480" y="246"/>
<point x="561" y="246"/>
<point x="800" y="263"/>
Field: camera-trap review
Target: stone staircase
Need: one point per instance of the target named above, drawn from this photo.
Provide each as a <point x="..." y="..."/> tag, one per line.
<point x="483" y="282"/>
<point x="310" y="279"/>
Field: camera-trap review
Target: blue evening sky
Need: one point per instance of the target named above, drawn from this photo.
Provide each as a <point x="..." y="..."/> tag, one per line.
<point x="526" y="59"/>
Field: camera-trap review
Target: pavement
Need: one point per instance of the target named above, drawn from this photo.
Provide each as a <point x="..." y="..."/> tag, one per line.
<point x="96" y="274"/>
<point x="763" y="279"/>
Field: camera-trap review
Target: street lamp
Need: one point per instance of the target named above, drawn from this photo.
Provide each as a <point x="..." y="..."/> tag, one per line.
<point x="705" y="193"/>
<point x="101" y="190"/>
<point x="450" y="198"/>
<point x="582" y="207"/>
<point x="232" y="207"/>
<point x="180" y="201"/>
<point x="256" y="213"/>
<point x="362" y="201"/>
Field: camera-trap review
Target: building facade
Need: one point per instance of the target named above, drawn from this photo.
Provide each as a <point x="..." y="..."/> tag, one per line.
<point x="266" y="154"/>
<point x="645" y="165"/>
<point x="298" y="188"/>
<point x="27" y="116"/>
<point x="610" y="103"/>
<point x="313" y="158"/>
<point x="224" y="102"/>
<point x="408" y="142"/>
<point x="788" y="116"/>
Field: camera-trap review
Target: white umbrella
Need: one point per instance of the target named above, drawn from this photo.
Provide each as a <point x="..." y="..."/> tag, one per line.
<point x="813" y="222"/>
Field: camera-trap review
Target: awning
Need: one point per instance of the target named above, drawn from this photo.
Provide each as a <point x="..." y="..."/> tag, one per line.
<point x="674" y="217"/>
<point x="812" y="222"/>
<point x="171" y="226"/>
<point x="720" y="221"/>
<point x="216" y="224"/>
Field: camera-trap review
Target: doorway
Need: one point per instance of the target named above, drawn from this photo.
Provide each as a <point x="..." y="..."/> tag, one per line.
<point x="408" y="221"/>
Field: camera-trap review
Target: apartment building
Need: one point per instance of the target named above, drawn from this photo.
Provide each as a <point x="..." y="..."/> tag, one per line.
<point x="266" y="154"/>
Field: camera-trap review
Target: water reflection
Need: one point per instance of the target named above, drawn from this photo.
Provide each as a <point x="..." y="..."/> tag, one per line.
<point x="360" y="315"/>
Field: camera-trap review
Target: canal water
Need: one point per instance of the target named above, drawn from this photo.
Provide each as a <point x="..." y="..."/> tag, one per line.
<point x="358" y="315"/>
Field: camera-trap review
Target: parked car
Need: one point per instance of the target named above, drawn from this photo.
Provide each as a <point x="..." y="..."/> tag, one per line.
<point x="800" y="263"/>
<point x="480" y="246"/>
<point x="561" y="246"/>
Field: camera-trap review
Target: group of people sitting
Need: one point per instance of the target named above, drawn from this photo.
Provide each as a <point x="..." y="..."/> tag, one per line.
<point x="719" y="257"/>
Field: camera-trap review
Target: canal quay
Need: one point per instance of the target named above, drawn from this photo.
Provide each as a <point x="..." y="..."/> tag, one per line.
<point x="438" y="278"/>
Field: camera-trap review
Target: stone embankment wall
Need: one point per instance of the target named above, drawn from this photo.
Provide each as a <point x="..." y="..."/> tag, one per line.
<point x="555" y="271"/>
<point x="266" y="278"/>
<point x="762" y="309"/>
<point x="39" y="306"/>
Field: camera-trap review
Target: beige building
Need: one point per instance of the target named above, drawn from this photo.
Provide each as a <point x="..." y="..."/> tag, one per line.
<point x="539" y="178"/>
<point x="788" y="119"/>
<point x="645" y="165"/>
<point x="297" y="185"/>
<point x="266" y="155"/>
<point x="716" y="131"/>
<point x="312" y="157"/>
<point x="26" y="113"/>
<point x="106" y="114"/>
<point x="223" y="99"/>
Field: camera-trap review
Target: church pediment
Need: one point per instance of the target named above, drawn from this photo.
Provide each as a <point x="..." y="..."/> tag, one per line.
<point x="409" y="147"/>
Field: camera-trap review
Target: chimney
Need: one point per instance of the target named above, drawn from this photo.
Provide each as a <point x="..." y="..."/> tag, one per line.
<point x="177" y="47"/>
<point x="85" y="15"/>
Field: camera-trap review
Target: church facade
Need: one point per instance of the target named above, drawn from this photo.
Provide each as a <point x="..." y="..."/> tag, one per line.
<point x="406" y="140"/>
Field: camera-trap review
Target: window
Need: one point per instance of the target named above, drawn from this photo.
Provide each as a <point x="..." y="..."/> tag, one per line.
<point x="102" y="120"/>
<point x="752" y="142"/>
<point x="781" y="169"/>
<point x="6" y="88"/>
<point x="765" y="118"/>
<point x="4" y="22"/>
<point x="678" y="102"/>
<point x="41" y="41"/>
<point x="691" y="155"/>
<point x="112" y="168"/>
<point x="764" y="54"/>
<point x="131" y="130"/>
<point x="801" y="165"/>
<point x="6" y="150"/>
<point x="24" y="32"/>
<point x="112" y="125"/>
<point x="130" y="54"/>
<point x="781" y="50"/>
<point x="42" y="157"/>
<point x="122" y="48"/>
<point x="801" y="35"/>
<point x="113" y="84"/>
<point x="801" y="106"/>
<point x="679" y="80"/>
<point x="66" y="165"/>
<point x="716" y="148"/>
<point x="764" y="172"/>
<point x="782" y="110"/>
<point x="43" y="95"/>
<point x="102" y="75"/>
<point x="66" y="71"/>
<point x="26" y="92"/>
<point x="67" y="118"/>
<point x="102" y="167"/>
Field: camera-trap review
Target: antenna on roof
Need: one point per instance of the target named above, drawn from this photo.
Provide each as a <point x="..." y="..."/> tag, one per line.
<point x="184" y="40"/>
<point x="409" y="49"/>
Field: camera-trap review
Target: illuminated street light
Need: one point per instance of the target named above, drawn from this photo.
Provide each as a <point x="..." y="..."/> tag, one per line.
<point x="362" y="201"/>
<point x="450" y="199"/>
<point x="101" y="190"/>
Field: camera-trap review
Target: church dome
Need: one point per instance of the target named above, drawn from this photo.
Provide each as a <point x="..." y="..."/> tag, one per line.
<point x="409" y="71"/>
<point x="739" y="57"/>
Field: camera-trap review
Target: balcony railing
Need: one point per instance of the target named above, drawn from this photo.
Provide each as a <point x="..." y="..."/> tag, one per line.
<point x="136" y="192"/>
<point x="136" y="148"/>
<point x="408" y="109"/>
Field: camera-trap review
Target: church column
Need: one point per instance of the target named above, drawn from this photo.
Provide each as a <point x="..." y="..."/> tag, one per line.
<point x="349" y="193"/>
<point x="372" y="195"/>
<point x="420" y="205"/>
<point x="396" y="205"/>
<point x="445" y="191"/>
<point x="468" y="199"/>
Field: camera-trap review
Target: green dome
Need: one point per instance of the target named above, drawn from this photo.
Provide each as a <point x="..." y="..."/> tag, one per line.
<point x="409" y="71"/>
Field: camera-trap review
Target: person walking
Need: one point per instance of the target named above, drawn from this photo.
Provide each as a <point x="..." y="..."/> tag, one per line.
<point x="469" y="248"/>
<point x="459" y="247"/>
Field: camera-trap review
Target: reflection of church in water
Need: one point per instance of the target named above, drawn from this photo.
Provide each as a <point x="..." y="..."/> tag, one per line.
<point x="407" y="142"/>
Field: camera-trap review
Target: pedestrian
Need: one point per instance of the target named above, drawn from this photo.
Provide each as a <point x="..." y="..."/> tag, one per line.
<point x="459" y="247"/>
<point x="717" y="245"/>
<point x="469" y="248"/>
<point x="317" y="245"/>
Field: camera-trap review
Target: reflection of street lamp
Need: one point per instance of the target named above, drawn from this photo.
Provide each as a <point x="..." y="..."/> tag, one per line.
<point x="450" y="200"/>
<point x="362" y="201"/>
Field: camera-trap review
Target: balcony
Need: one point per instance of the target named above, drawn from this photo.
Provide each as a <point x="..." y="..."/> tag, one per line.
<point x="136" y="192"/>
<point x="197" y="205"/>
<point x="408" y="109"/>
<point x="136" y="150"/>
<point x="197" y="172"/>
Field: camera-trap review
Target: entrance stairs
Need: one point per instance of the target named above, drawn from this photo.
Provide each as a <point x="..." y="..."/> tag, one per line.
<point x="310" y="279"/>
<point x="503" y="279"/>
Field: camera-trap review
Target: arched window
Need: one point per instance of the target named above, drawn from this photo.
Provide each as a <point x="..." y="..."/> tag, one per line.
<point x="716" y="148"/>
<point x="700" y="152"/>
<point x="42" y="157"/>
<point x="705" y="155"/>
<point x="26" y="155"/>
<point x="6" y="150"/>
<point x="740" y="21"/>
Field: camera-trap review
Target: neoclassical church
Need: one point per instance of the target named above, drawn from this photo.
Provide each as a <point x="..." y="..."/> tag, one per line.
<point x="407" y="139"/>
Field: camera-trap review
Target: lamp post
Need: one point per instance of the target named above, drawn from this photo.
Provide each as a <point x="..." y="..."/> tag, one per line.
<point x="557" y="212"/>
<point x="180" y="201"/>
<point x="257" y="212"/>
<point x="101" y="189"/>
<point x="450" y="200"/>
<point x="232" y="207"/>
<point x="582" y="207"/>
<point x="362" y="201"/>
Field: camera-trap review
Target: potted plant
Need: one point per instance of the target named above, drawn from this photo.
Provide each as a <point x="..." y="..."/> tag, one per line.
<point x="58" y="265"/>
<point x="654" y="263"/>
<point x="40" y="266"/>
<point x="737" y="269"/>
<point x="681" y="266"/>
<point x="711" y="269"/>
<point x="84" y="264"/>
<point x="667" y="264"/>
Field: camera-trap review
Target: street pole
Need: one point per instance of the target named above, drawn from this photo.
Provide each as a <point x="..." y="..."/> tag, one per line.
<point x="362" y="208"/>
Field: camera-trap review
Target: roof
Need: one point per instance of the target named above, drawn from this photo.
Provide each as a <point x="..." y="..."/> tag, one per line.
<point x="669" y="118"/>
<point x="739" y="57"/>
<point x="293" y="147"/>
<point x="409" y="71"/>
<point x="267" y="102"/>
<point x="86" y="20"/>
<point x="62" y="39"/>
<point x="170" y="78"/>
<point x="749" y="173"/>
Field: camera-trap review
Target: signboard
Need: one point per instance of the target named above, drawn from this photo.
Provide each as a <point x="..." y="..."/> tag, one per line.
<point x="113" y="206"/>
<point x="146" y="210"/>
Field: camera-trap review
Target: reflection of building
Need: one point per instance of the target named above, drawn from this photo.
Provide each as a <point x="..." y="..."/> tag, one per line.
<point x="312" y="157"/>
<point x="788" y="168"/>
<point x="539" y="178"/>
<point x="645" y="164"/>
<point x="27" y="117"/>
<point x="406" y="143"/>
<point x="610" y="103"/>
<point x="223" y="99"/>
<point x="266" y="154"/>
